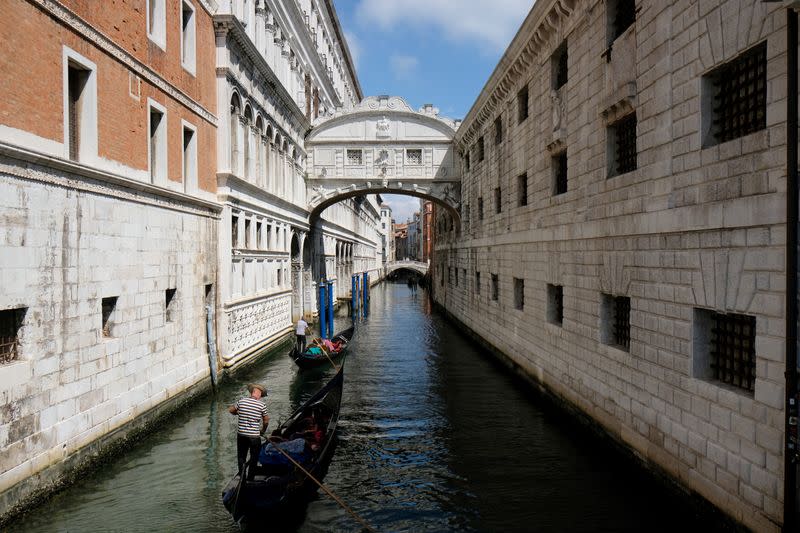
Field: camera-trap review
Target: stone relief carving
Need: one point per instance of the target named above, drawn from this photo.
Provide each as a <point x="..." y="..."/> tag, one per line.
<point x="382" y="128"/>
<point x="559" y="111"/>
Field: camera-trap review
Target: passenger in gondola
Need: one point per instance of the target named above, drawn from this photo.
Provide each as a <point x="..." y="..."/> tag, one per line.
<point x="252" y="413"/>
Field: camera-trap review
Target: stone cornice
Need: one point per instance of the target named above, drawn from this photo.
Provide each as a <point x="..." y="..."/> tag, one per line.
<point x="345" y="48"/>
<point x="56" y="10"/>
<point x="35" y="166"/>
<point x="545" y="20"/>
<point x="229" y="25"/>
<point x="302" y="41"/>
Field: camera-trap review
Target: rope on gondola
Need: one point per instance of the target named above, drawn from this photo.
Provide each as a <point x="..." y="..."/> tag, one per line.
<point x="323" y="487"/>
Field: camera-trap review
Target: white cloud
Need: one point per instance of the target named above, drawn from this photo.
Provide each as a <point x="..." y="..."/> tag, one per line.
<point x="355" y="47"/>
<point x="490" y="23"/>
<point x="403" y="66"/>
<point x="403" y="207"/>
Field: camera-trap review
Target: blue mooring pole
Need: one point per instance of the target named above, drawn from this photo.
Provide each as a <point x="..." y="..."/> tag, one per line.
<point x="322" y="314"/>
<point x="365" y="292"/>
<point x="353" y="295"/>
<point x="330" y="310"/>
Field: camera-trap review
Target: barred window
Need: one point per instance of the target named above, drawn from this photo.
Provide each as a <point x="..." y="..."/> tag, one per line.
<point x="560" y="173"/>
<point x="615" y="313"/>
<point x="498" y="200"/>
<point x="466" y="161"/>
<point x="498" y="130"/>
<point x="480" y="208"/>
<point x="355" y="157"/>
<point x="107" y="308"/>
<point x="622" y="146"/>
<point x="477" y="282"/>
<point x="555" y="304"/>
<point x="522" y="188"/>
<point x="522" y="104"/>
<point x="481" y="152"/>
<point x="519" y="294"/>
<point x="738" y="100"/>
<point x="495" y="287"/>
<point x="724" y="348"/>
<point x="414" y="156"/>
<point x="234" y="231"/>
<point x="10" y="323"/>
<point x="559" y="66"/>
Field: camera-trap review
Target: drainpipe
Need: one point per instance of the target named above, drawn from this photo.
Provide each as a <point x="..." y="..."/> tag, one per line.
<point x="212" y="344"/>
<point x="790" y="451"/>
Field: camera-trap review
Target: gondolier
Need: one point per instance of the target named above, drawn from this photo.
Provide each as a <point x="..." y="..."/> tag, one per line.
<point x="252" y="413"/>
<point x="300" y="331"/>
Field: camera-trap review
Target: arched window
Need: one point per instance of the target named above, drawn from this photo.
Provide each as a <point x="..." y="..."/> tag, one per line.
<point x="259" y="147"/>
<point x="268" y="164"/>
<point x="248" y="141"/>
<point x="236" y="110"/>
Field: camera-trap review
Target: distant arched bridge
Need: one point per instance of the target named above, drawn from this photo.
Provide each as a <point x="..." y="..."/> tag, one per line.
<point x="416" y="266"/>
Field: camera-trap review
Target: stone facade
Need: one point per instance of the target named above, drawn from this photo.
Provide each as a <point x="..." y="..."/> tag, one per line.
<point x="557" y="240"/>
<point x="109" y="226"/>
<point x="280" y="65"/>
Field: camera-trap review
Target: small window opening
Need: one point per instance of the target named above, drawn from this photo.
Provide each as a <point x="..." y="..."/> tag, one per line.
<point x="247" y="238"/>
<point x="169" y="305"/>
<point x="560" y="173"/>
<point x="555" y="304"/>
<point x="522" y="189"/>
<point x="355" y="157"/>
<point x="481" y="152"/>
<point x="498" y="130"/>
<point x="108" y="306"/>
<point x="559" y="66"/>
<point x="522" y="104"/>
<point x="622" y="150"/>
<point x="78" y="79"/>
<point x="477" y="282"/>
<point x="498" y="200"/>
<point x="234" y="231"/>
<point x="480" y="208"/>
<point x="519" y="294"/>
<point x="616" y="317"/>
<point x="11" y="321"/>
<point x="495" y="287"/>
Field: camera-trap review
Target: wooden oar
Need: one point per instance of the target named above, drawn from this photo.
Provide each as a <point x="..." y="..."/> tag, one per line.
<point x="243" y="475"/>
<point x="320" y="485"/>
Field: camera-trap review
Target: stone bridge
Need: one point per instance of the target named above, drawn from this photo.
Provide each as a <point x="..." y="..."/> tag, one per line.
<point x="383" y="146"/>
<point x="416" y="266"/>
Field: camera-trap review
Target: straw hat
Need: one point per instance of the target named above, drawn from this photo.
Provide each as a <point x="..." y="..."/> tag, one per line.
<point x="252" y="386"/>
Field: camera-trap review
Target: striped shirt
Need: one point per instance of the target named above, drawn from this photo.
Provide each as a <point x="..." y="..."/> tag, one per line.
<point x="251" y="412"/>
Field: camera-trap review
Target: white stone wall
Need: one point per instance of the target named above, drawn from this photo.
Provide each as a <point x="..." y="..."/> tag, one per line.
<point x="693" y="227"/>
<point x="66" y="243"/>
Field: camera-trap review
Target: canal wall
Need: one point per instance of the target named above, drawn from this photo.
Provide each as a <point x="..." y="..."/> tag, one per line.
<point x="645" y="292"/>
<point x="112" y="282"/>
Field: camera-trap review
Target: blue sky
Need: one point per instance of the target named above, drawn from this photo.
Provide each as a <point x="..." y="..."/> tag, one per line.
<point x="440" y="52"/>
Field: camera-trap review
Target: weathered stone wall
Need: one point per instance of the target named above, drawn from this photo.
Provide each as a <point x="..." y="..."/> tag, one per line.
<point x="694" y="227"/>
<point x="67" y="243"/>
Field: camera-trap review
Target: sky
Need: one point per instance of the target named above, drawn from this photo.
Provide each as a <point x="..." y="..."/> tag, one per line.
<point x="438" y="52"/>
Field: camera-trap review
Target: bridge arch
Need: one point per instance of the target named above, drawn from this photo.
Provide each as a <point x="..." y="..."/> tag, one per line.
<point x="416" y="266"/>
<point x="383" y="146"/>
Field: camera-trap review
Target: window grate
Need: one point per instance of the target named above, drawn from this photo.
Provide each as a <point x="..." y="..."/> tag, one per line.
<point x="498" y="200"/>
<point x="480" y="208"/>
<point x="523" y="189"/>
<point x="622" y="322"/>
<point x="624" y="17"/>
<point x="498" y="130"/>
<point x="560" y="169"/>
<point x="625" y="134"/>
<point x="495" y="287"/>
<point x="10" y="323"/>
<point x="355" y="157"/>
<point x="740" y="102"/>
<point x="481" y="152"/>
<point x="414" y="156"/>
<point x="733" y="354"/>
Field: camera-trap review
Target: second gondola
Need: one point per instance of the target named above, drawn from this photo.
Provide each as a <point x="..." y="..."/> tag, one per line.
<point x="317" y="353"/>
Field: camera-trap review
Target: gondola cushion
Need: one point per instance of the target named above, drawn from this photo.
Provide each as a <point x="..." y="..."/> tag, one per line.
<point x="295" y="448"/>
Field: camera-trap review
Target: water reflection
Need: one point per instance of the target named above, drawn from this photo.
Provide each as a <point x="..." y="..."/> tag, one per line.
<point x="434" y="436"/>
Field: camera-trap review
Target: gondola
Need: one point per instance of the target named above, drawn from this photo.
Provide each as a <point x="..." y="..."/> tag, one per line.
<point x="309" y="360"/>
<point x="279" y="486"/>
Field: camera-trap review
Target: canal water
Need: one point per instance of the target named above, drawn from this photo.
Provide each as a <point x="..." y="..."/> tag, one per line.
<point x="434" y="436"/>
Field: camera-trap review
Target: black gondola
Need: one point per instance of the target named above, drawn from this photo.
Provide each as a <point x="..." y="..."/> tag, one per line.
<point x="278" y="485"/>
<point x="309" y="360"/>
